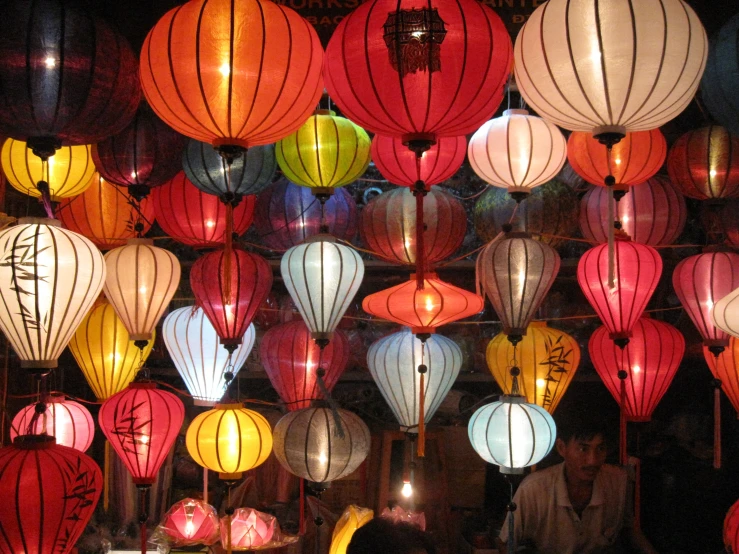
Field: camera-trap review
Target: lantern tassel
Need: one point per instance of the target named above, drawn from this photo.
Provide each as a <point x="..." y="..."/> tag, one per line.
<point x="622" y="447"/>
<point x="717" y="423"/>
<point x="422" y="369"/>
<point x="419" y="192"/>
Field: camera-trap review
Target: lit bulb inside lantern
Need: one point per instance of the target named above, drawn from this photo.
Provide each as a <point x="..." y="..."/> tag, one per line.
<point x="407" y="243"/>
<point x="625" y="219"/>
<point x="712" y="173"/>
<point x="521" y="278"/>
<point x="144" y="439"/>
<point x="429" y="304"/>
<point x="618" y="161"/>
<point x="407" y="490"/>
<point x="189" y="529"/>
<point x="225" y="69"/>
<point x="636" y="369"/>
<point x="134" y="175"/>
<point x="322" y="458"/>
<point x="595" y="56"/>
<point x="210" y="223"/>
<point x="541" y="383"/>
<point x="142" y="290"/>
<point x="709" y="304"/>
<point x="50" y="62"/>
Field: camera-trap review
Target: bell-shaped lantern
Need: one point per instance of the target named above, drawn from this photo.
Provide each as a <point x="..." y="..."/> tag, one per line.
<point x="723" y="367"/>
<point x="69" y="422"/>
<point x="352" y="519"/>
<point x="190" y="522"/>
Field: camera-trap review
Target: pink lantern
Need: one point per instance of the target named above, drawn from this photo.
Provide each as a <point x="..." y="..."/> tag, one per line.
<point x="68" y="421"/>
<point x="190" y="522"/>
<point x="399" y="515"/>
<point x="249" y="529"/>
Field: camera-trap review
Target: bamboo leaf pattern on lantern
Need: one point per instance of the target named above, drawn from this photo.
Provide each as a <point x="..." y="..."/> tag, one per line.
<point x="82" y="493"/>
<point x="558" y="362"/>
<point x="23" y="259"/>
<point x="129" y="428"/>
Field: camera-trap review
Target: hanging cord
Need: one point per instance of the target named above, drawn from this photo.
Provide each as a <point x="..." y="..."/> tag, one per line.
<point x="511" y="508"/>
<point x="43" y="188"/>
<point x="716" y="384"/>
<point x="422" y="369"/>
<point x="321" y="372"/>
<point x="228" y="249"/>
<point x="318" y="520"/>
<point x="623" y="455"/>
<point x="419" y="191"/>
<point x="143" y="515"/>
<point x="610" y="182"/>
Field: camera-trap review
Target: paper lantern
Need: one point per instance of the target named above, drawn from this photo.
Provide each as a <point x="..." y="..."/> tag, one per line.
<point x="70" y="169"/>
<point x="49" y="494"/>
<point x="326" y="152"/>
<point x="141" y="423"/>
<point x="517" y="152"/>
<point x="49" y="279"/>
<point x="424" y="309"/>
<point x="195" y="218"/>
<point x="407" y="70"/>
<point x="105" y="214"/>
<point x="401" y="167"/>
<point x="308" y="444"/>
<point x="229" y="73"/>
<point x="397" y="514"/>
<point x="388" y="226"/>
<point x="190" y="522"/>
<point x="731" y="529"/>
<point x="291" y="359"/>
<point x="723" y="367"/>
<point x="141" y="281"/>
<point x="230" y="306"/>
<point x="704" y="164"/>
<point x="650" y="361"/>
<point x="249" y="529"/>
<point x="653" y="213"/>
<point x="69" y="422"/>
<point x="637" y="269"/>
<point x="548" y="359"/>
<point x="638" y="66"/>
<point x="104" y="352"/>
<point x="192" y="343"/>
<point x="229" y="439"/>
<point x="516" y="273"/>
<point x="393" y="363"/>
<point x="721" y="78"/>
<point x="352" y="519"/>
<point x="702" y="280"/>
<point x="322" y="277"/>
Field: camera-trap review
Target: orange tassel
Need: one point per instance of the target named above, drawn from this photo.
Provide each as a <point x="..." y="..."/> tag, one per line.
<point x="421" y="417"/>
<point x="717" y="425"/>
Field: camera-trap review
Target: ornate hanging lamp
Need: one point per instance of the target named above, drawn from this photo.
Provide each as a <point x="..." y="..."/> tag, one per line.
<point x="69" y="422"/>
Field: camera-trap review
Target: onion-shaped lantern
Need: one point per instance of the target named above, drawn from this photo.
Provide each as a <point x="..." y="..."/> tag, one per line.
<point x="49" y="279"/>
<point x="106" y="215"/>
<point x="548" y="359"/>
<point x="192" y="343"/>
<point x="731" y="529"/>
<point x="190" y="522"/>
<point x="723" y="367"/>
<point x="516" y="273"/>
<point x="721" y="79"/>
<point x="653" y="213"/>
<point x="308" y="443"/>
<point x="69" y="422"/>
<point x="292" y="360"/>
<point x="250" y="529"/>
<point x="229" y="439"/>
<point x="388" y="226"/>
<point x="518" y="152"/>
<point x="649" y="361"/>
<point x="352" y="519"/>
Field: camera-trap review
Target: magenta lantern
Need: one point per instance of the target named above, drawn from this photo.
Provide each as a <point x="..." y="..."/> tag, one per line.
<point x="190" y="522"/>
<point x="67" y="421"/>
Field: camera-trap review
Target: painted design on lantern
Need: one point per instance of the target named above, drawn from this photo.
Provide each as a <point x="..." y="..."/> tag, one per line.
<point x="559" y="362"/>
<point x="25" y="253"/>
<point x="413" y="38"/>
<point x="132" y="430"/>
<point x="82" y="493"/>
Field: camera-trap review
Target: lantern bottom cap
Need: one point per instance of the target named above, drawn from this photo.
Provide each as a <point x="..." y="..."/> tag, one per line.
<point x="39" y="364"/>
<point x="230" y="476"/>
<point x="322" y="191"/>
<point x="511" y="470"/>
<point x="230" y="141"/>
<point x="143" y="482"/>
<point x="423" y="330"/>
<point x="203" y="402"/>
<point x="609" y="130"/>
<point x="140" y="336"/>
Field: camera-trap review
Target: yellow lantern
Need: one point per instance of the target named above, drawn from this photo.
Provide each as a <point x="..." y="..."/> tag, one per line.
<point x="106" y="355"/>
<point x="70" y="169"/>
<point x="229" y="439"/>
<point x="326" y="152"/>
<point x="548" y="359"/>
<point x="352" y="519"/>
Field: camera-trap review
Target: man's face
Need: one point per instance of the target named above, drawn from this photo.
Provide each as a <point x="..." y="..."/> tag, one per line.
<point x="583" y="458"/>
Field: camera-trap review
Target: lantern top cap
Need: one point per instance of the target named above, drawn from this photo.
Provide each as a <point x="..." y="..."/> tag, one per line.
<point x="39" y="221"/>
<point x="517" y="235"/>
<point x="428" y="275"/>
<point x="56" y="397"/>
<point x="142" y="241"/>
<point x="34" y="442"/>
<point x="142" y="385"/>
<point x="228" y="406"/>
<point x="324" y="112"/>
<point x="515" y="112"/>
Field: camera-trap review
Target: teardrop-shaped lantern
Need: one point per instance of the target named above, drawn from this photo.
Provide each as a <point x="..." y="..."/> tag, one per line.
<point x="190" y="522"/>
<point x="69" y="422"/>
<point x="723" y="367"/>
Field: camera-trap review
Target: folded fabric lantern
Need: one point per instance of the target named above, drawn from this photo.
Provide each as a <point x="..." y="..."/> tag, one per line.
<point x="352" y="519"/>
<point x="69" y="422"/>
<point x="250" y="529"/>
<point x="190" y="522"/>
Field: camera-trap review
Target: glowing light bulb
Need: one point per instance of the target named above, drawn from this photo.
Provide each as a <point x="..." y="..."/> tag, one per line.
<point x="521" y="278"/>
<point x="636" y="369"/>
<point x="50" y="62"/>
<point x="144" y="439"/>
<point x="142" y="290"/>
<point x="210" y="224"/>
<point x="225" y="69"/>
<point x="618" y="161"/>
<point x="429" y="304"/>
<point x="625" y="219"/>
<point x="595" y="56"/>
<point x="541" y="383"/>
<point x="134" y="175"/>
<point x="189" y="529"/>
<point x="712" y="173"/>
<point x="407" y="490"/>
<point x="407" y="243"/>
<point x="322" y="458"/>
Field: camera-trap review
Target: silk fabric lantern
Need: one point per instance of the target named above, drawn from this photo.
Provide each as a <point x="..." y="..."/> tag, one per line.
<point x="69" y="422"/>
<point x="250" y="529"/>
<point x="724" y="314"/>
<point x="352" y="519"/>
<point x="49" y="279"/>
<point x="190" y="522"/>
<point x="731" y="528"/>
<point x="723" y="367"/>
<point x="721" y="78"/>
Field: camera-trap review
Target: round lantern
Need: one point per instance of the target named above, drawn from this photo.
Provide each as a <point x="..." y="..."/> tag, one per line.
<point x="141" y="281"/>
<point x="190" y="522"/>
<point x="638" y="65"/>
<point x="326" y="152"/>
<point x="401" y="167"/>
<point x="322" y="277"/>
<point x="69" y="174"/>
<point x="250" y="529"/>
<point x="723" y="367"/>
<point x="702" y="280"/>
<point x="232" y="73"/>
<point x="704" y="164"/>
<point x="49" y="494"/>
<point x="292" y="359"/>
<point x="650" y="361"/>
<point x="308" y="443"/>
<point x="388" y="226"/>
<point x="105" y="214"/>
<point x="653" y="213"/>
<point x="518" y="152"/>
<point x="401" y="69"/>
<point x="721" y="79"/>
<point x="731" y="529"/>
<point x="250" y="172"/>
<point x="69" y="422"/>
<point x="50" y="277"/>
<point x="141" y="423"/>
<point x="352" y="519"/>
<point x="145" y="154"/>
<point x="195" y="218"/>
<point x="229" y="439"/>
<point x="548" y="359"/>
<point x="192" y="343"/>
<point x="516" y="273"/>
<point x="637" y="269"/>
<point x="230" y="291"/>
<point x="393" y="363"/>
<point x="287" y="214"/>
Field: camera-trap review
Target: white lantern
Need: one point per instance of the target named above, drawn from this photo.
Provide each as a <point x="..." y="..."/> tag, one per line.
<point x="141" y="281"/>
<point x="192" y="343"/>
<point x="517" y="151"/>
<point x="49" y="279"/>
<point x="393" y="363"/>
<point x="725" y="313"/>
<point x="610" y="67"/>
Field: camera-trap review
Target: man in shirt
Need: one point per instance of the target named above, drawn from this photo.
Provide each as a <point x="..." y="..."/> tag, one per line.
<point x="581" y="506"/>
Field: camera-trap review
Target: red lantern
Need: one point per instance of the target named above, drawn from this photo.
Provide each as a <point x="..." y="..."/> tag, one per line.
<point x="731" y="529"/>
<point x="388" y="226"/>
<point x="704" y="164"/>
<point x="69" y="422"/>
<point x="653" y="213"/>
<point x="291" y="358"/>
<point x="724" y="368"/>
<point x="702" y="280"/>
<point x="650" y="361"/>
<point x="637" y="269"/>
<point x="401" y="167"/>
<point x="49" y="493"/>
<point x="195" y="218"/>
<point x="230" y="301"/>
<point x="190" y="522"/>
